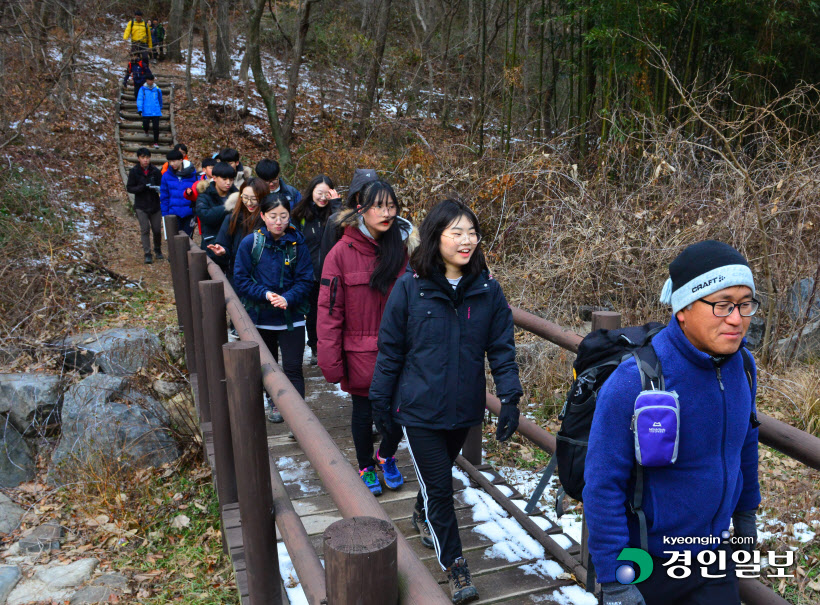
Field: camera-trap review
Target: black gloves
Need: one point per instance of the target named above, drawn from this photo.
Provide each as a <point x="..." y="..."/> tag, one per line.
<point x="383" y="420"/>
<point x="507" y="421"/>
<point x="745" y="523"/>
<point x="621" y="594"/>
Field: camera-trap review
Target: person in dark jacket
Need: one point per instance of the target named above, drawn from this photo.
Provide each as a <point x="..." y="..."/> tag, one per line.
<point x="714" y="479"/>
<point x="268" y="171"/>
<point x="275" y="289"/>
<point x="143" y="181"/>
<point x="244" y="218"/>
<point x="210" y="205"/>
<point x="180" y="175"/>
<point x="438" y="324"/>
<point x="357" y="277"/>
<point x="157" y="39"/>
<point x="361" y="177"/>
<point x="138" y="71"/>
<point x="310" y="216"/>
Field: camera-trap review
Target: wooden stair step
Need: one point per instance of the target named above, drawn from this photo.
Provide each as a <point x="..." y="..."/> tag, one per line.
<point x="159" y="160"/>
<point x="135" y="116"/>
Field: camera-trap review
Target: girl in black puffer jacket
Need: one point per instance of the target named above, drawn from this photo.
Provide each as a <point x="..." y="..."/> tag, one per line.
<point x="243" y="219"/>
<point x="310" y="216"/>
<point x="438" y="324"/>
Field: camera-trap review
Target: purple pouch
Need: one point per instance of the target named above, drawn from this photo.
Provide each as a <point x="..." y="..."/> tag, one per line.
<point x="656" y="425"/>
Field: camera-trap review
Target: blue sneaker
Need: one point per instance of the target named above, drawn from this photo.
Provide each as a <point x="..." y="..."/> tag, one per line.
<point x="371" y="480"/>
<point x="392" y="476"/>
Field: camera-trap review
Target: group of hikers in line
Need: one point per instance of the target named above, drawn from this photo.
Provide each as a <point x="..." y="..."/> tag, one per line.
<point x="404" y="318"/>
<point x="147" y="37"/>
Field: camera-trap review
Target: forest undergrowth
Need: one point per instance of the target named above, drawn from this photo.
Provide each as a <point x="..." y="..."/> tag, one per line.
<point x="561" y="230"/>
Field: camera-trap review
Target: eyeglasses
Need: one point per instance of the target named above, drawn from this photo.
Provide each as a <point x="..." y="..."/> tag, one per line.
<point x="724" y="308"/>
<point x="249" y="199"/>
<point x="472" y="238"/>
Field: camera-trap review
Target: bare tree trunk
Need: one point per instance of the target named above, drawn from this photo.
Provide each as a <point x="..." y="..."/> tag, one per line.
<point x="295" y="64"/>
<point x="189" y="95"/>
<point x="222" y="68"/>
<point x="174" y="34"/>
<point x="374" y="69"/>
<point x="206" y="44"/>
<point x="262" y="86"/>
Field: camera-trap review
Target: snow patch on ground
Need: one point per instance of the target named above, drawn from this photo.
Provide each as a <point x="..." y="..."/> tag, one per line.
<point x="568" y="595"/>
<point x="296" y="472"/>
<point x="293" y="588"/>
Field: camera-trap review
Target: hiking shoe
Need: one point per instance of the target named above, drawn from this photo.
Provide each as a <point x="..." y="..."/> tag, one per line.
<point x="156" y="145"/>
<point x="392" y="475"/>
<point x="371" y="480"/>
<point x="461" y="585"/>
<point x="273" y="415"/>
<point x="148" y="259"/>
<point x="158" y="255"/>
<point x="420" y="523"/>
<point x="314" y="360"/>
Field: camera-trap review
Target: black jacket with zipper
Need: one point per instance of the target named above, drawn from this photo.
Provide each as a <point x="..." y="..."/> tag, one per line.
<point x="145" y="198"/>
<point x="430" y="367"/>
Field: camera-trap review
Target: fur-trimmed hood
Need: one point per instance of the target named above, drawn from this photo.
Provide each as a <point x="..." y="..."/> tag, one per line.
<point x="202" y="185"/>
<point x="230" y="203"/>
<point x="409" y="233"/>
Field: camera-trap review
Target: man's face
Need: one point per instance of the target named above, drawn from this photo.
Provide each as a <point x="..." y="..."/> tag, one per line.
<point x="175" y="164"/>
<point x="274" y="184"/>
<point x="145" y="160"/>
<point x="716" y="335"/>
<point x="138" y="18"/>
<point x="209" y="172"/>
<point x="234" y="164"/>
<point x="222" y="183"/>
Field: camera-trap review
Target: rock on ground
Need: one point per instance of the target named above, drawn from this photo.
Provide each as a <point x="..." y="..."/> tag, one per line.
<point x="10" y="515"/>
<point x="30" y="400"/>
<point x="52" y="583"/>
<point x="9" y="576"/>
<point x="16" y="457"/>
<point x="104" y="423"/>
<point x="118" y="351"/>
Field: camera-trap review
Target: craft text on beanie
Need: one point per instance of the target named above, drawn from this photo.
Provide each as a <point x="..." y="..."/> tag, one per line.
<point x="703" y="269"/>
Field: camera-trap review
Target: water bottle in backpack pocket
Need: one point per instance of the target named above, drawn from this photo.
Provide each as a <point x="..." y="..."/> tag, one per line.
<point x="656" y="427"/>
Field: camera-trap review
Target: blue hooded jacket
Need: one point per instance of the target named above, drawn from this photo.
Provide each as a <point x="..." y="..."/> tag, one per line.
<point x="253" y="283"/>
<point x="716" y="471"/>
<point x="149" y="101"/>
<point x="173" y="186"/>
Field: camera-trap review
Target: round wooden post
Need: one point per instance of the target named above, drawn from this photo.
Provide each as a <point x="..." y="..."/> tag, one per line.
<point x="472" y="445"/>
<point x="250" y="448"/>
<point x="214" y="335"/>
<point x="360" y="562"/>
<point x="170" y="224"/>
<point x="182" y="293"/>
<point x="606" y="320"/>
<point x="198" y="271"/>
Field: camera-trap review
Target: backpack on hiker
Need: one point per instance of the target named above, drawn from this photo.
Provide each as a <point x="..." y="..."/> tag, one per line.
<point x="288" y="260"/>
<point x="655" y="420"/>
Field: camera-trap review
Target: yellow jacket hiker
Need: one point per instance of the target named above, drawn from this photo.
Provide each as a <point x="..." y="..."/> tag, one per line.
<point x="138" y="31"/>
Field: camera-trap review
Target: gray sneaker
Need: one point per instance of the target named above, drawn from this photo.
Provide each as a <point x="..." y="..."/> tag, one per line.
<point x="273" y="415"/>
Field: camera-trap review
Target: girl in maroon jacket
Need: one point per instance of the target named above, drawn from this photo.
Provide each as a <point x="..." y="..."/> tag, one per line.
<point x="357" y="277"/>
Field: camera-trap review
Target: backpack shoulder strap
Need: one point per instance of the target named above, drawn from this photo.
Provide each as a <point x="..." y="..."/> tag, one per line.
<point x="649" y="367"/>
<point x="258" y="247"/>
<point x="749" y="370"/>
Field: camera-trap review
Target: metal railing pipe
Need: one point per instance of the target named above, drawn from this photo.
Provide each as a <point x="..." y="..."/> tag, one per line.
<point x="416" y="585"/>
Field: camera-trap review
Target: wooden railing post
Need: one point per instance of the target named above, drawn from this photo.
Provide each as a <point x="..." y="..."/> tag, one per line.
<point x="182" y="292"/>
<point x="170" y="224"/>
<point x="472" y="445"/>
<point x="198" y="271"/>
<point x="360" y="562"/>
<point x="250" y="447"/>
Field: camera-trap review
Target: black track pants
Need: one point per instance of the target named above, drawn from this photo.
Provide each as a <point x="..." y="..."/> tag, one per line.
<point x="433" y="453"/>
<point x="660" y="589"/>
<point x="361" y="422"/>
<point x="293" y="347"/>
<point x="312" y="316"/>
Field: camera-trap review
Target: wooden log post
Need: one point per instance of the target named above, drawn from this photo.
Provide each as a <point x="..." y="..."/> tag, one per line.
<point x="170" y="226"/>
<point x="198" y="271"/>
<point x="360" y="562"/>
<point x="472" y="445"/>
<point x="606" y="320"/>
<point x="182" y="293"/>
<point x="214" y="335"/>
<point x="243" y="373"/>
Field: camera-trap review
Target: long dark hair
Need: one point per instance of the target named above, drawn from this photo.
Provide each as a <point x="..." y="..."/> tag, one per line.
<point x="391" y="252"/>
<point x="306" y="208"/>
<point x="426" y="257"/>
<point x="240" y="215"/>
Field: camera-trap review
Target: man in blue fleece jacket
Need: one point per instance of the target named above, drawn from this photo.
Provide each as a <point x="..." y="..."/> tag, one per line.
<point x="714" y="480"/>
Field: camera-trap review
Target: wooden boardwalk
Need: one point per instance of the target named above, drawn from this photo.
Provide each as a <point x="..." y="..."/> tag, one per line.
<point x="502" y="575"/>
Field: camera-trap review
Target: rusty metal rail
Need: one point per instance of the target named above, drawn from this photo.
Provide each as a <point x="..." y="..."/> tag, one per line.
<point x="791" y="441"/>
<point x="416" y="585"/>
